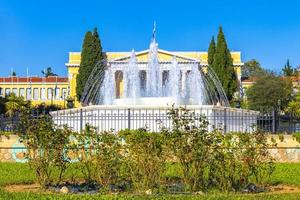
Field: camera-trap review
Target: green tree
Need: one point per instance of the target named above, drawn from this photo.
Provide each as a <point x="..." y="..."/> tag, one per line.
<point x="223" y="66"/>
<point x="294" y="105"/>
<point x="288" y="69"/>
<point x="48" y="72"/>
<point x="15" y="104"/>
<point x="252" y="68"/>
<point x="269" y="93"/>
<point x="211" y="51"/>
<point x="91" y="54"/>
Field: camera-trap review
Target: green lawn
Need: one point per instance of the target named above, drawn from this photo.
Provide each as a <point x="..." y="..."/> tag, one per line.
<point x="11" y="173"/>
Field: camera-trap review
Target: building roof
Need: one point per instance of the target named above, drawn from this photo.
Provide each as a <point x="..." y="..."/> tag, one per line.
<point x="251" y="80"/>
<point x="201" y="56"/>
<point x="50" y="79"/>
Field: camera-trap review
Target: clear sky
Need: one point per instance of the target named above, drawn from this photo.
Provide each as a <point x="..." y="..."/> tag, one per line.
<point x="38" y="34"/>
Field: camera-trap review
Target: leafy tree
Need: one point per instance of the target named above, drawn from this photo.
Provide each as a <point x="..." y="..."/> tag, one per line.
<point x="15" y="104"/>
<point x="269" y="93"/>
<point x="48" y="72"/>
<point x="211" y="51"/>
<point x="288" y="69"/>
<point x="13" y="73"/>
<point x="252" y="68"/>
<point x="223" y="66"/>
<point x="91" y="54"/>
<point x="294" y="105"/>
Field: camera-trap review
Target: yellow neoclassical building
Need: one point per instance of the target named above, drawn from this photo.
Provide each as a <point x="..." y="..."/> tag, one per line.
<point x="142" y="57"/>
<point x="55" y="90"/>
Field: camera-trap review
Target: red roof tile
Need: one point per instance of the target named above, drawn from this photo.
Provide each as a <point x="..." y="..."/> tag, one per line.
<point x="50" y="79"/>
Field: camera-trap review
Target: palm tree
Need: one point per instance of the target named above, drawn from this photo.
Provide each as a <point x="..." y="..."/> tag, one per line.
<point x="15" y="104"/>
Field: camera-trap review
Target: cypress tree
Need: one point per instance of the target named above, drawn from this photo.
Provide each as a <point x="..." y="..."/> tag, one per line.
<point x="223" y="66"/>
<point x="91" y="54"/>
<point x="97" y="45"/>
<point x="211" y="51"/>
<point x="288" y="69"/>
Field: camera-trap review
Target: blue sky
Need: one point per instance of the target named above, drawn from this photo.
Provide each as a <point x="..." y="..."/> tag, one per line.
<point x="39" y="34"/>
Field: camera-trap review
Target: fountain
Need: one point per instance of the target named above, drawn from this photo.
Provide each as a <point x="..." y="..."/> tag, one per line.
<point x="148" y="89"/>
<point x="186" y="83"/>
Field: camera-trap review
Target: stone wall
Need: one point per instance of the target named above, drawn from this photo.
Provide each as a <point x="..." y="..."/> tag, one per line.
<point x="11" y="150"/>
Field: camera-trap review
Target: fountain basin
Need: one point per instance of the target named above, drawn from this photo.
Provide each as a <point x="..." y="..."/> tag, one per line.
<point x="152" y="117"/>
<point x="147" y="101"/>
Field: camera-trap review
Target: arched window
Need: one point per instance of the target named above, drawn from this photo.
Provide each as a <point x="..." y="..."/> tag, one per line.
<point x="119" y="83"/>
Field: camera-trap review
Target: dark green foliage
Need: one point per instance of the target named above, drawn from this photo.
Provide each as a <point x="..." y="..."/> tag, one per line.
<point x="13" y="73"/>
<point x="91" y="54"/>
<point x="2" y="105"/>
<point x="288" y="69"/>
<point x="211" y="51"/>
<point x="252" y="68"/>
<point x="223" y="66"/>
<point x="45" y="108"/>
<point x="269" y="93"/>
<point x="48" y="72"/>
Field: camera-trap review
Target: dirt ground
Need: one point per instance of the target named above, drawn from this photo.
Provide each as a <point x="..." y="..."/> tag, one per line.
<point x="278" y="189"/>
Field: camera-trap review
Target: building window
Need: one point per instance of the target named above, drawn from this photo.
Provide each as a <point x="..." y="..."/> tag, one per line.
<point x="49" y="92"/>
<point x="57" y="93"/>
<point x="15" y="91"/>
<point x="35" y="94"/>
<point x="28" y="93"/>
<point x="43" y="93"/>
<point x="7" y="92"/>
<point x="64" y="93"/>
<point x="1" y="92"/>
<point x="22" y="92"/>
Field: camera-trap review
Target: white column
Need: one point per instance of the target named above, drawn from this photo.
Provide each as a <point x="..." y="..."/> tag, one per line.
<point x="183" y="79"/>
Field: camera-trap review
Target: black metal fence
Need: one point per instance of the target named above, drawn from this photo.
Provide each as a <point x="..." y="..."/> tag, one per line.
<point x="118" y="119"/>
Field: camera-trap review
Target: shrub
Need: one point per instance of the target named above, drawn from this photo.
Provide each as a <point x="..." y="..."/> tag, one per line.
<point x="296" y="136"/>
<point x="99" y="156"/>
<point x="213" y="159"/>
<point x="145" y="157"/>
<point x="238" y="158"/>
<point x="47" y="147"/>
<point x="189" y="142"/>
<point x="281" y="137"/>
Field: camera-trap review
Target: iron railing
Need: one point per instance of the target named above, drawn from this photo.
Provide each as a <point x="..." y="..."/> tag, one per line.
<point x="154" y="119"/>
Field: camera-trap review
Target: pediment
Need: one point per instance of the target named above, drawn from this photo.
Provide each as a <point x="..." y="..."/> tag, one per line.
<point x="163" y="56"/>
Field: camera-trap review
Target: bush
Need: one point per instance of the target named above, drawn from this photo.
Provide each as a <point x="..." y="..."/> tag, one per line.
<point x="205" y="159"/>
<point x="296" y="136"/>
<point x="281" y="137"/>
<point x="145" y="157"/>
<point x="189" y="142"/>
<point x="213" y="159"/>
<point x="47" y="147"/>
<point x="99" y="156"/>
<point x="238" y="158"/>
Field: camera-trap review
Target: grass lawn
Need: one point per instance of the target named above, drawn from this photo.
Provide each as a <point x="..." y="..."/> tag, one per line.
<point x="12" y="173"/>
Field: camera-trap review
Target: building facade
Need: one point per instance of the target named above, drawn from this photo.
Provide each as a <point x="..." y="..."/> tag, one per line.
<point x="55" y="90"/>
<point x="50" y="90"/>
